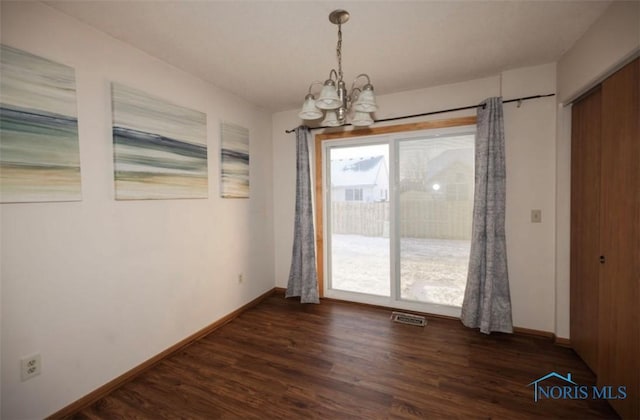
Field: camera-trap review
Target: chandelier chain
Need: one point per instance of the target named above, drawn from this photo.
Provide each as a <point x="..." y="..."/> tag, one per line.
<point x="339" y="52"/>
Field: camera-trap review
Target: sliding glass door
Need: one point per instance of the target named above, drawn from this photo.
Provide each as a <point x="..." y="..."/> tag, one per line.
<point x="397" y="218"/>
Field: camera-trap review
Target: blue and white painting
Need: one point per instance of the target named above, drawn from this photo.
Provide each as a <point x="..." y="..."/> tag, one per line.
<point x="39" y="149"/>
<point x="160" y="149"/>
<point x="234" y="155"/>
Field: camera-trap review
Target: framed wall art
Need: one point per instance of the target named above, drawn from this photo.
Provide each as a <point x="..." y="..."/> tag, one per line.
<point x="160" y="149"/>
<point x="234" y="161"/>
<point x="39" y="148"/>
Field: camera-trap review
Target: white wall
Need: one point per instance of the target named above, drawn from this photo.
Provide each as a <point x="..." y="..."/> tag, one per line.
<point x="530" y="137"/>
<point x="563" y="219"/>
<point x="99" y="286"/>
<point x="611" y="39"/>
<point x="530" y="146"/>
<point x="610" y="42"/>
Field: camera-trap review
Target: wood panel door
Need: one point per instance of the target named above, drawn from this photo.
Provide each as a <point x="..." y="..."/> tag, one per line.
<point x="585" y="226"/>
<point x="619" y="308"/>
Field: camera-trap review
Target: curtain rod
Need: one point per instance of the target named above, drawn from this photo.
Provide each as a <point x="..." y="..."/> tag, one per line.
<point x="519" y="100"/>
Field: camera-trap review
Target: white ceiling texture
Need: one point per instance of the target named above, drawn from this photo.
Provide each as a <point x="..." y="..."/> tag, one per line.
<point x="269" y="51"/>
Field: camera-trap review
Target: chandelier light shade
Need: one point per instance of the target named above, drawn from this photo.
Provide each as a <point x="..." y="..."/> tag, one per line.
<point x="366" y="101"/>
<point x="329" y="96"/>
<point x="331" y="119"/>
<point x="309" y="110"/>
<point x="334" y="102"/>
<point x="362" y="119"/>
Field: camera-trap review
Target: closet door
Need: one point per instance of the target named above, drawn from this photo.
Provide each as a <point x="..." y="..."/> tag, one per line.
<point x="585" y="227"/>
<point x="619" y="305"/>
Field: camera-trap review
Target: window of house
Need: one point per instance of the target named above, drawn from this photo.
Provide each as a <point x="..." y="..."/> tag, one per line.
<point x="353" y="194"/>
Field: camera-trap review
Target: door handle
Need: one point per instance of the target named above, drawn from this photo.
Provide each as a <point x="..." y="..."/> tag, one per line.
<point x="602" y="259"/>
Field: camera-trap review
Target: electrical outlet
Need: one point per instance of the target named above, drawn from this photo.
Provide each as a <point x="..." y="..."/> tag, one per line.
<point x="30" y="366"/>
<point x="536" y="216"/>
<point x="240" y="278"/>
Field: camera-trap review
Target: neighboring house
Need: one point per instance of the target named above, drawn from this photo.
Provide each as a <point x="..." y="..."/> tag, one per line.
<point x="447" y="176"/>
<point x="362" y="179"/>
<point x="450" y="176"/>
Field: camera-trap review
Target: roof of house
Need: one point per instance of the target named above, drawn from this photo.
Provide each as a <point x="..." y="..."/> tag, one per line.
<point x="356" y="172"/>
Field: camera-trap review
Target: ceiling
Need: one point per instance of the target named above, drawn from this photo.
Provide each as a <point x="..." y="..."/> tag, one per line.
<point x="269" y="51"/>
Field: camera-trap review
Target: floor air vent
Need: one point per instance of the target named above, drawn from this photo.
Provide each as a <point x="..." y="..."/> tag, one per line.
<point x="410" y="319"/>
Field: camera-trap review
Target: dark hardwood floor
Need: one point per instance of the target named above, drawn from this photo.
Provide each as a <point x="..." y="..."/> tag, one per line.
<point x="281" y="359"/>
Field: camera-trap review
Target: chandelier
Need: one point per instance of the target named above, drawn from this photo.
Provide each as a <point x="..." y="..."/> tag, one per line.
<point x="334" y="102"/>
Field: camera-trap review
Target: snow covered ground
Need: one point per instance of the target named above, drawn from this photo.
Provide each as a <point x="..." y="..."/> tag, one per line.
<point x="431" y="270"/>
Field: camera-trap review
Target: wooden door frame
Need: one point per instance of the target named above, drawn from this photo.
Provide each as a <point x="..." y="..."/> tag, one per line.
<point x="319" y="193"/>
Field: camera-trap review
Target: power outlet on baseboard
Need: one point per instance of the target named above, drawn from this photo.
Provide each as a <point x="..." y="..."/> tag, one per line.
<point x="30" y="366"/>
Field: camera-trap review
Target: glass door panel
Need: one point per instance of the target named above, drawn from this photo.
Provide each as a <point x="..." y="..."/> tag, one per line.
<point x="435" y="205"/>
<point x="358" y="210"/>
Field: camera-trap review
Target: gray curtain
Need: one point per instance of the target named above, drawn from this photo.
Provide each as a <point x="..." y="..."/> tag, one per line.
<point x="303" y="278"/>
<point x="487" y="302"/>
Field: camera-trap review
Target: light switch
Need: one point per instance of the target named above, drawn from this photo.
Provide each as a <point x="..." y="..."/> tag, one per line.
<point x="536" y="216"/>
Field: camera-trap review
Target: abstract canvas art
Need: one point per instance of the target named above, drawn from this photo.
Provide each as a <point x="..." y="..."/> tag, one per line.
<point x="160" y="149"/>
<point x="234" y="155"/>
<point x="39" y="149"/>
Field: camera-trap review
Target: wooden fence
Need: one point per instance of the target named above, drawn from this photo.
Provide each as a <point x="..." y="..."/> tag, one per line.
<point x="418" y="218"/>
